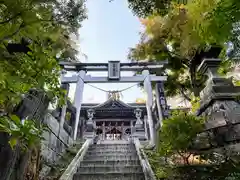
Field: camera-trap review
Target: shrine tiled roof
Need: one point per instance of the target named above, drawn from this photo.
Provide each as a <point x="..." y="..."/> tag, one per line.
<point x="113" y="104"/>
<point x="113" y="109"/>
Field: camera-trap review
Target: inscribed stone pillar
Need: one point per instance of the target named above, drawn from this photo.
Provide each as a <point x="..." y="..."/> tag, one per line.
<point x="78" y="99"/>
<point x="161" y="102"/>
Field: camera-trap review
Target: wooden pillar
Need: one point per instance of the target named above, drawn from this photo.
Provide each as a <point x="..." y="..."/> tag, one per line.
<point x="122" y="129"/>
<point x="78" y="99"/>
<point x="104" y="130"/>
<point x="131" y="124"/>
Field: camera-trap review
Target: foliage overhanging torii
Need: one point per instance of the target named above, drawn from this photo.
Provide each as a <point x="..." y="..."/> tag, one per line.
<point x="185" y="35"/>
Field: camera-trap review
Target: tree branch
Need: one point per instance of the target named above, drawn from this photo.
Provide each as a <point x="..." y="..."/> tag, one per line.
<point x="185" y="96"/>
<point x="183" y="92"/>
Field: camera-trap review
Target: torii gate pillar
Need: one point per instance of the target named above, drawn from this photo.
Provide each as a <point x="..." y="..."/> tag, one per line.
<point x="149" y="103"/>
<point x="78" y="99"/>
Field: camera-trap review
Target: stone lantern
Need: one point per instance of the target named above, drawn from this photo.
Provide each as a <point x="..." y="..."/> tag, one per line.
<point x="139" y="123"/>
<point x="90" y="123"/>
<point x="219" y="104"/>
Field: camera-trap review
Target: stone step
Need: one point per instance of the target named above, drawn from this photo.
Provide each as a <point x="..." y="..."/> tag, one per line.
<point x="111" y="150"/>
<point x="107" y="169"/>
<point x="112" y="146"/>
<point x="111" y="158"/>
<point x="111" y="162"/>
<point x="108" y="176"/>
<point x="113" y="154"/>
<point x="110" y="153"/>
<point x="115" y="142"/>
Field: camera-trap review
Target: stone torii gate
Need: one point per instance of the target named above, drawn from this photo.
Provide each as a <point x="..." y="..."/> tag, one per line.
<point x="114" y="68"/>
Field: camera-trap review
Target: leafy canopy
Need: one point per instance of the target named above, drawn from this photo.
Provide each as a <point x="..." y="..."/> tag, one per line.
<point x="34" y="35"/>
<point x="144" y="8"/>
<point x="182" y="36"/>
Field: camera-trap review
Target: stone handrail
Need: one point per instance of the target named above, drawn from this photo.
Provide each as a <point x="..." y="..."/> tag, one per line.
<point x="73" y="166"/>
<point x="147" y="170"/>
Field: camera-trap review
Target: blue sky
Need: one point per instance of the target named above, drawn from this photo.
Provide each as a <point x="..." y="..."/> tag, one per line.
<point x="107" y="34"/>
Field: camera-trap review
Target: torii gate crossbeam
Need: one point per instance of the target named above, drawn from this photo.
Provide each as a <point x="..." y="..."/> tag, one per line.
<point x="134" y="66"/>
<point x="133" y="79"/>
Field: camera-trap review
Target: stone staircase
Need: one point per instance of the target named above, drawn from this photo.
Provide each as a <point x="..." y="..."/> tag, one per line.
<point x="110" y="162"/>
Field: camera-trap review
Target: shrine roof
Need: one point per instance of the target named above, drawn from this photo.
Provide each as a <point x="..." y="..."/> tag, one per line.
<point x="113" y="109"/>
<point x="113" y="104"/>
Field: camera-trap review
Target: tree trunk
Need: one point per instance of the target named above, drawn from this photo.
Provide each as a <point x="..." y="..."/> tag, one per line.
<point x="192" y="72"/>
<point x="21" y="169"/>
<point x="183" y="93"/>
<point x="38" y="161"/>
<point x="11" y="166"/>
<point x="5" y="154"/>
<point x="33" y="166"/>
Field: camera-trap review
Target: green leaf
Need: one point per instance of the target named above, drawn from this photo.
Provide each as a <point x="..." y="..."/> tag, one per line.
<point x="16" y="119"/>
<point x="13" y="142"/>
<point x="3" y="128"/>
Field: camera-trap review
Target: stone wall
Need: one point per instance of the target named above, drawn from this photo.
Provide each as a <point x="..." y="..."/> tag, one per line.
<point x="54" y="144"/>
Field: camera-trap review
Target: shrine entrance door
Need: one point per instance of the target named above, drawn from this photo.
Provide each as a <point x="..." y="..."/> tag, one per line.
<point x="113" y="134"/>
